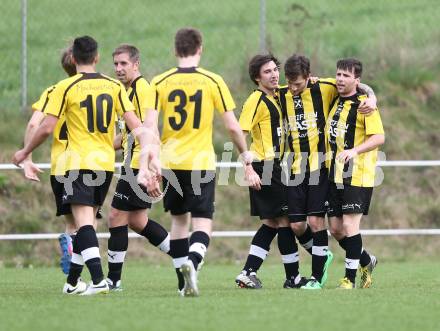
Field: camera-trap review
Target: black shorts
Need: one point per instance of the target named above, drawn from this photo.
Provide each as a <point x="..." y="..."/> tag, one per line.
<point x="57" y="189"/>
<point x="348" y="199"/>
<point x="271" y="201"/>
<point x="308" y="197"/>
<point x="129" y="195"/>
<point x="197" y="188"/>
<point x="86" y="187"/>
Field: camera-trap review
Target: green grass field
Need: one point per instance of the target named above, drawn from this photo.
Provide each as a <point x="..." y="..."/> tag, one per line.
<point x="405" y="296"/>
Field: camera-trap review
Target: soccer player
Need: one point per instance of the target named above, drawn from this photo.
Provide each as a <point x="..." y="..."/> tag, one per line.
<point x="263" y="117"/>
<point x="129" y="207"/>
<point x="90" y="103"/>
<point x="354" y="140"/>
<point x="59" y="143"/>
<point x="187" y="96"/>
<point x="307" y="106"/>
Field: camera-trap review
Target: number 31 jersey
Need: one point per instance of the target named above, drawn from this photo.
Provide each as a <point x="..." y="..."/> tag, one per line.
<point x="90" y="103"/>
<point x="187" y="98"/>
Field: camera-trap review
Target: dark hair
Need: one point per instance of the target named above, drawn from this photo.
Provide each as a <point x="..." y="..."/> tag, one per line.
<point x="132" y="51"/>
<point x="352" y="65"/>
<point x="85" y="50"/>
<point x="296" y="66"/>
<point x="187" y="41"/>
<point x="67" y="63"/>
<point x="257" y="62"/>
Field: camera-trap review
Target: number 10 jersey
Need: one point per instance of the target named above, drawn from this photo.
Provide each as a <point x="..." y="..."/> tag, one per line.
<point x="90" y="103"/>
<point x="187" y="98"/>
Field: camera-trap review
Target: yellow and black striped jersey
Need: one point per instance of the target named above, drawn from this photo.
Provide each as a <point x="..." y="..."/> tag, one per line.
<point x="263" y="118"/>
<point x="59" y="140"/>
<point x="306" y="115"/>
<point x="90" y="103"/>
<point x="347" y="128"/>
<point x="187" y="98"/>
<point x="137" y="93"/>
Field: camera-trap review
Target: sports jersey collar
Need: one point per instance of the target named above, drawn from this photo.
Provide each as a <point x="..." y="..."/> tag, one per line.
<point x="133" y="83"/>
<point x="91" y="74"/>
<point x="275" y="92"/>
<point x="353" y="97"/>
<point x="187" y="70"/>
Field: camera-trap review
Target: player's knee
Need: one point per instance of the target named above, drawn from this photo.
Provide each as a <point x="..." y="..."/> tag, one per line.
<point x="270" y="223"/>
<point x="316" y="223"/>
<point x="116" y="218"/>
<point x="298" y="228"/>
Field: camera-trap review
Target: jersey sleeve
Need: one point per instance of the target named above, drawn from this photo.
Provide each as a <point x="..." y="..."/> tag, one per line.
<point x="223" y="100"/>
<point x="152" y="97"/>
<point x="123" y="103"/>
<point x="41" y="103"/>
<point x="143" y="94"/>
<point x="328" y="90"/>
<point x="248" y="114"/>
<point x="373" y="124"/>
<point x="57" y="103"/>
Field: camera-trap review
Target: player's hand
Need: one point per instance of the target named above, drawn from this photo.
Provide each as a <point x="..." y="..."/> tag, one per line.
<point x="31" y="170"/>
<point x="150" y="181"/>
<point x="19" y="157"/>
<point x="367" y="106"/>
<point x="153" y="188"/>
<point x="252" y="177"/>
<point x="346" y="155"/>
<point x="155" y="167"/>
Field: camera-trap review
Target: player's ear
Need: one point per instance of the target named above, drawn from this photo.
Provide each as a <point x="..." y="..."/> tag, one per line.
<point x="96" y="60"/>
<point x="199" y="51"/>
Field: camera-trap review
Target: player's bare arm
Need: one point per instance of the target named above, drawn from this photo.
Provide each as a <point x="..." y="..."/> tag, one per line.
<point x="30" y="169"/>
<point x="44" y="130"/>
<point x="368" y="105"/>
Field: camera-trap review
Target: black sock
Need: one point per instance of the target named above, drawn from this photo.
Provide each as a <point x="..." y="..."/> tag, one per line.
<point x="352" y="255"/>
<point x="365" y="256"/>
<point x="319" y="253"/>
<point x="157" y="235"/>
<point x="306" y="240"/>
<point x="260" y="247"/>
<point x="88" y="244"/>
<point x="76" y="264"/>
<point x="117" y="248"/>
<point x="198" y="244"/>
<point x="179" y="252"/>
<point x="289" y="252"/>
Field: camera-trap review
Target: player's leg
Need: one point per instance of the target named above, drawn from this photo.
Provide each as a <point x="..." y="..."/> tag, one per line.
<point x="297" y="212"/>
<point x="258" y="251"/>
<point x="155" y="233"/>
<point x="351" y="223"/>
<point x="199" y="200"/>
<point x="289" y="254"/>
<point x="65" y="239"/>
<point x="267" y="204"/>
<point x="117" y="246"/>
<point x="317" y="197"/>
<point x="179" y="245"/>
<point x="198" y="245"/>
<point x="173" y="182"/>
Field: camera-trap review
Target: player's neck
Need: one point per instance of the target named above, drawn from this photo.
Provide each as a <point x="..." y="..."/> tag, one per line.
<point x="189" y="61"/>
<point x="270" y="92"/>
<point x="136" y="76"/>
<point x="86" y="68"/>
